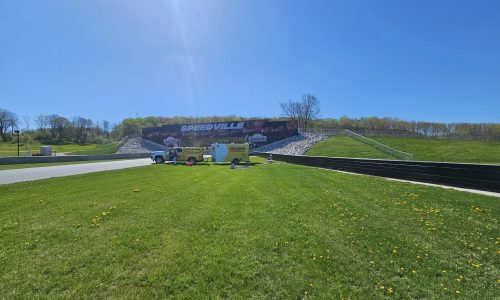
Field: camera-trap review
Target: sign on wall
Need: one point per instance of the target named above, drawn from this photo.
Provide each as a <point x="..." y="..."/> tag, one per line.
<point x="257" y="132"/>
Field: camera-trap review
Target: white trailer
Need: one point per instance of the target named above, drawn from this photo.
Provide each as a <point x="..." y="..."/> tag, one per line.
<point x="234" y="153"/>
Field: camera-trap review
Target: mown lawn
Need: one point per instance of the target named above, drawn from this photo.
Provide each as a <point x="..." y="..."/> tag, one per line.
<point x="10" y="148"/>
<point x="269" y="231"/>
<point x="346" y="146"/>
<point x="98" y="150"/>
<point x="422" y="149"/>
<point x="446" y="150"/>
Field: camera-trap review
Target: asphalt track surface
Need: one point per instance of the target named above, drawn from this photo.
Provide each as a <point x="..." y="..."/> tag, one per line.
<point x="30" y="174"/>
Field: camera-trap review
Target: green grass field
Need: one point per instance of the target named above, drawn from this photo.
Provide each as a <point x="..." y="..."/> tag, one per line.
<point x="422" y="149"/>
<point x="346" y="146"/>
<point x="446" y="150"/>
<point x="98" y="150"/>
<point x="10" y="148"/>
<point x="269" y="231"/>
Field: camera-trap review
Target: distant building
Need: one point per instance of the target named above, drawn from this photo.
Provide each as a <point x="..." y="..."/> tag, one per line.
<point x="255" y="132"/>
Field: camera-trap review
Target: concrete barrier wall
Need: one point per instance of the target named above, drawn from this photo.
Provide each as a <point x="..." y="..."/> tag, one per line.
<point x="50" y="159"/>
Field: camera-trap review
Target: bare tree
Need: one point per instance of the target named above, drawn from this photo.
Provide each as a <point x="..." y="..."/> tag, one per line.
<point x="83" y="128"/>
<point x="27" y="122"/>
<point x="61" y="124"/>
<point x="41" y="121"/>
<point x="13" y="122"/>
<point x="51" y="120"/>
<point x="6" y="121"/>
<point x="105" y="127"/>
<point x="304" y="112"/>
<point x="97" y="128"/>
<point x="291" y="109"/>
<point x="310" y="109"/>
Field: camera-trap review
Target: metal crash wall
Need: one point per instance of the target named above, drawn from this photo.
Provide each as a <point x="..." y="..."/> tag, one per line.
<point x="473" y="176"/>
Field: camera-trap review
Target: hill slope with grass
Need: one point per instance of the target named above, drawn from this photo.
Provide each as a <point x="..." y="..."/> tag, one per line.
<point x="268" y="231"/>
<point x="346" y="146"/>
<point x="10" y="148"/>
<point x="422" y="149"/>
<point x="446" y="150"/>
<point x="99" y="149"/>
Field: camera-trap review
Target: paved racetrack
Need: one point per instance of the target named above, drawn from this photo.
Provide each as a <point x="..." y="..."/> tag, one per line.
<point x="29" y="174"/>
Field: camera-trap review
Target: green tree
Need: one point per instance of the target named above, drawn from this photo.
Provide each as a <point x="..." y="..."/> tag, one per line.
<point x="130" y="126"/>
<point x="27" y="139"/>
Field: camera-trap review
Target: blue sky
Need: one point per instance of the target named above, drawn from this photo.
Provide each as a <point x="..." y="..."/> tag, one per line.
<point x="106" y="59"/>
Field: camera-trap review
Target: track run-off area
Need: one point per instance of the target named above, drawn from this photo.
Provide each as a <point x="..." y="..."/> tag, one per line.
<point x="30" y="174"/>
<point x="280" y="230"/>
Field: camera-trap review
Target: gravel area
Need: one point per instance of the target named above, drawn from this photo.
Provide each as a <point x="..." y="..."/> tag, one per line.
<point x="139" y="145"/>
<point x="295" y="145"/>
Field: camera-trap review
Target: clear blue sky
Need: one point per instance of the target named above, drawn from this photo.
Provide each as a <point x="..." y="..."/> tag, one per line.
<point x="416" y="60"/>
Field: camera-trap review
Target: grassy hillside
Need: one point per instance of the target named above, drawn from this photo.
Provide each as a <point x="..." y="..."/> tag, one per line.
<point x="346" y="146"/>
<point x="446" y="150"/>
<point x="10" y="148"/>
<point x="98" y="150"/>
<point x="422" y="149"/>
<point x="269" y="231"/>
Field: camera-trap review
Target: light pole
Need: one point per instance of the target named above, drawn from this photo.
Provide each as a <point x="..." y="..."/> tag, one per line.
<point x="17" y="132"/>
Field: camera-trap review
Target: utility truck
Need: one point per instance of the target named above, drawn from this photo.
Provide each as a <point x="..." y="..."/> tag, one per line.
<point x="234" y="153"/>
<point x="188" y="154"/>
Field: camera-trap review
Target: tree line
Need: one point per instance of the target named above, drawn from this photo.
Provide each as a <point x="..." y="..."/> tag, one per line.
<point x="365" y="125"/>
<point x="56" y="129"/>
<point x="387" y="126"/>
<point x="307" y="111"/>
<point x="59" y="129"/>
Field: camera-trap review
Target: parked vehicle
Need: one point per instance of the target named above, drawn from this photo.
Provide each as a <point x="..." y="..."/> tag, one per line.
<point x="184" y="154"/>
<point x="234" y="153"/>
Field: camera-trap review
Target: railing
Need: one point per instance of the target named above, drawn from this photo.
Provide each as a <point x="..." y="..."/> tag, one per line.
<point x="122" y="141"/>
<point x="473" y="176"/>
<point x="384" y="148"/>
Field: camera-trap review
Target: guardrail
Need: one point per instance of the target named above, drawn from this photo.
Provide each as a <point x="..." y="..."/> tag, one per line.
<point x="122" y="141"/>
<point x="384" y="148"/>
<point x="473" y="176"/>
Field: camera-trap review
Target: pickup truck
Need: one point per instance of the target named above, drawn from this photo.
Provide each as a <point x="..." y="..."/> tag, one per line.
<point x="189" y="154"/>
